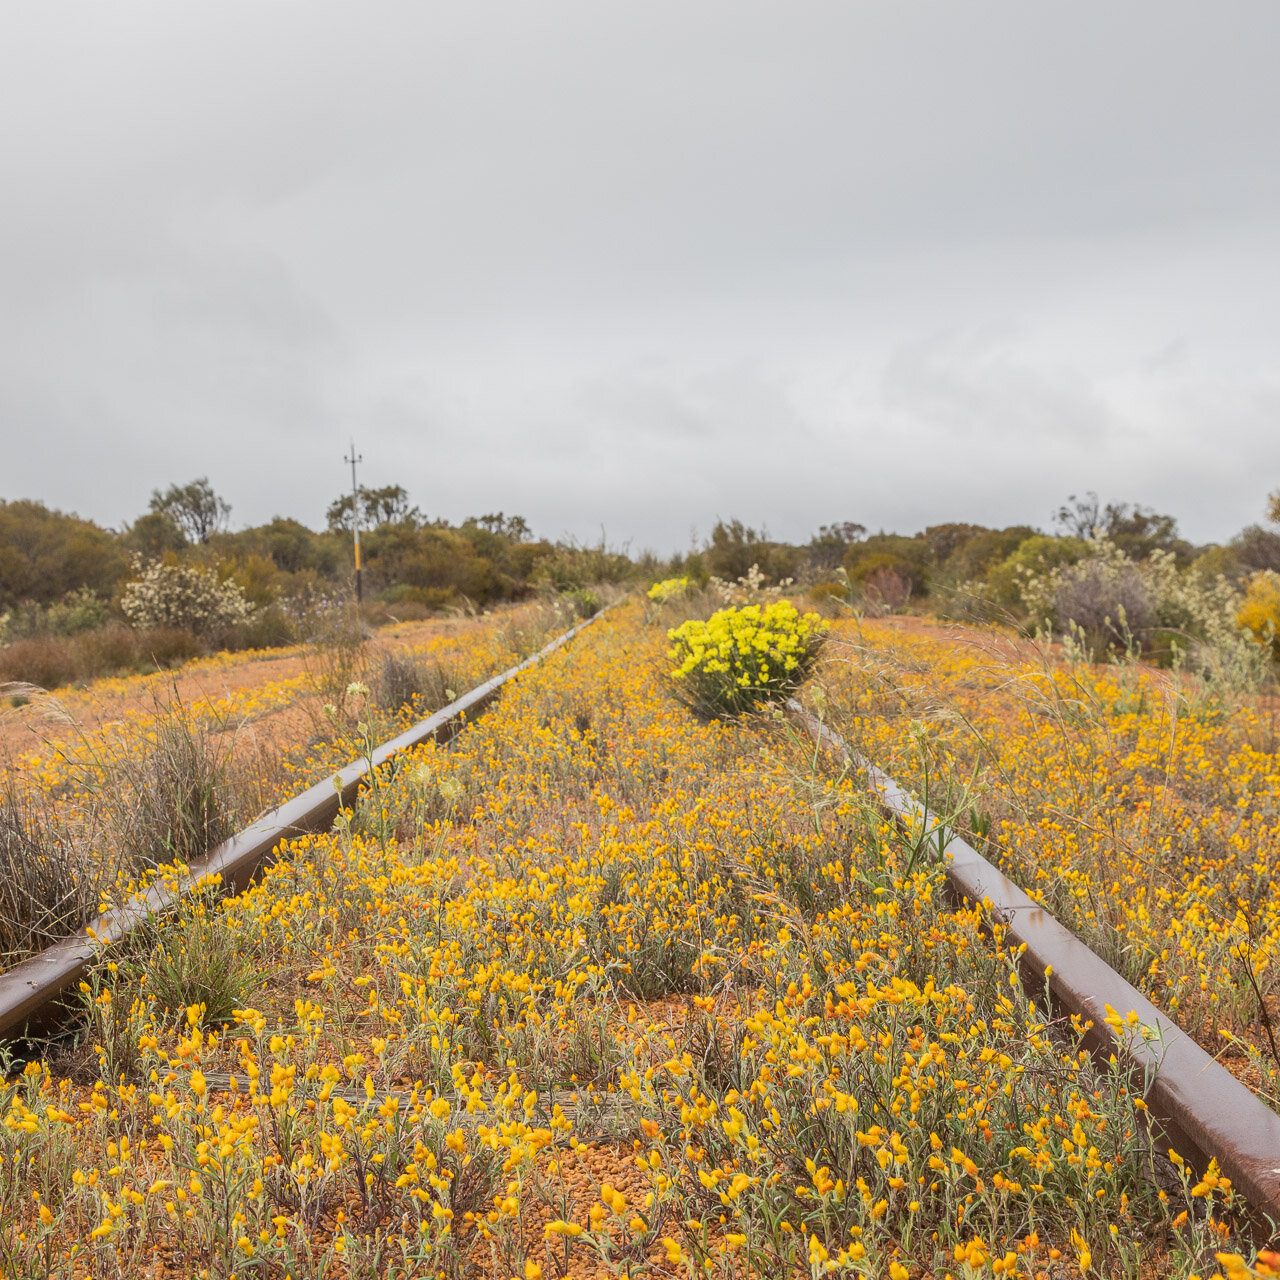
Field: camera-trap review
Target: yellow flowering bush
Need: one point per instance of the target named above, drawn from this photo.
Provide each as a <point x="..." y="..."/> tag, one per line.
<point x="668" y="589"/>
<point x="1259" y="612"/>
<point x="741" y="657"/>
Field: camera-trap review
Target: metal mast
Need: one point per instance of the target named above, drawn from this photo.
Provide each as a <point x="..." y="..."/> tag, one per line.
<point x="353" y="457"/>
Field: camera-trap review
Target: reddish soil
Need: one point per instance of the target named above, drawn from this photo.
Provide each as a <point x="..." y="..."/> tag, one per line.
<point x="58" y="716"/>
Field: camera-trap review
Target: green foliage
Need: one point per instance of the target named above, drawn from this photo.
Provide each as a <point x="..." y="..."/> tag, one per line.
<point x="45" y="554"/>
<point x="826" y="549"/>
<point x="414" y="566"/>
<point x="1035" y="555"/>
<point x="1218" y="561"/>
<point x="289" y="545"/>
<point x="908" y="558"/>
<point x="735" y="549"/>
<point x="198" y="962"/>
<point x="944" y="540"/>
<point x="974" y="556"/>
<point x="510" y="528"/>
<point x="431" y="565"/>
<point x="572" y="566"/>
<point x="79" y="610"/>
<point x="1136" y="530"/>
<point x="155" y="535"/>
<point x="586" y="603"/>
<point x="1106" y="601"/>
<point x="1257" y="549"/>
<point x="387" y="505"/>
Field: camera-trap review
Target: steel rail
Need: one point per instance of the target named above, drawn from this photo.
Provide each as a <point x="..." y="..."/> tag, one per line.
<point x="30" y="992"/>
<point x="1205" y="1111"/>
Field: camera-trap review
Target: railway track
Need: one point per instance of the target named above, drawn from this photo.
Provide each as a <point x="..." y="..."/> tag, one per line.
<point x="31" y="993"/>
<point x="1204" y="1111"/>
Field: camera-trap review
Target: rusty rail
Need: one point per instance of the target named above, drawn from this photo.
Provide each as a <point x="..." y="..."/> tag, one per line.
<point x="1205" y="1111"/>
<point x="30" y="992"/>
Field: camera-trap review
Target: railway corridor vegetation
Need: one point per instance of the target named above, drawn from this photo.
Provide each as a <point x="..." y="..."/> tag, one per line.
<point x="1140" y="806"/>
<point x="78" y="601"/>
<point x="103" y="790"/>
<point x="604" y="988"/>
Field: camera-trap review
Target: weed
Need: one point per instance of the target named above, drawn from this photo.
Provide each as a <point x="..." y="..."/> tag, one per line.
<point x="197" y="961"/>
<point x="48" y="888"/>
<point x="424" y="686"/>
<point x="166" y="802"/>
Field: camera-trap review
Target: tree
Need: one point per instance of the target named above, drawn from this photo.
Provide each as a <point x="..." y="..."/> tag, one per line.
<point x="735" y="548"/>
<point x="155" y="533"/>
<point x="388" y="505"/>
<point x="1135" y="529"/>
<point x="944" y="540"/>
<point x="972" y="557"/>
<point x="907" y="557"/>
<point x="513" y="528"/>
<point x="1138" y="531"/>
<point x="827" y="547"/>
<point x="1079" y="517"/>
<point x="194" y="508"/>
<point x="44" y="554"/>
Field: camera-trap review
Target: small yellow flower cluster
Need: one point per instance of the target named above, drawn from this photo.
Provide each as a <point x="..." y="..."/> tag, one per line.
<point x="744" y="656"/>
<point x="1260" y="610"/>
<point x="668" y="589"/>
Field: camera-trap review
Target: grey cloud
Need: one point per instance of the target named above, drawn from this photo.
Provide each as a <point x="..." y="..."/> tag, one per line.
<point x="639" y="264"/>
<point x="978" y="387"/>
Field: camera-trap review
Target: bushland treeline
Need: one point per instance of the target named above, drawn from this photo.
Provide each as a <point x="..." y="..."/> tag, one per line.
<point x="47" y="555"/>
<point x="77" y="599"/>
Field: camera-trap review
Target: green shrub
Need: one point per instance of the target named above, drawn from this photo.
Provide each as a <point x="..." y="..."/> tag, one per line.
<point x="586" y="603"/>
<point x="45" y="554"/>
<point x="1034" y="557"/>
<point x="79" y="610"/>
<point x="905" y="557"/>
<point x="198" y="963"/>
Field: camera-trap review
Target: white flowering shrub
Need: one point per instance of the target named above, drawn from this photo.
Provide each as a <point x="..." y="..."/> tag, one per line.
<point x="1112" y="600"/>
<point x="181" y="595"/>
<point x="748" y="589"/>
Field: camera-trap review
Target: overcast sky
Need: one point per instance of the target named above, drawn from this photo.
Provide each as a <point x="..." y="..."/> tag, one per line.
<point x="636" y="265"/>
